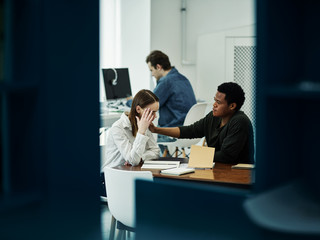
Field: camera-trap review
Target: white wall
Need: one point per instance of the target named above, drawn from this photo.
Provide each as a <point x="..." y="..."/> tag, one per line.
<point x="136" y="41"/>
<point x="125" y="39"/>
<point x="147" y="25"/>
<point x="202" y="17"/>
<point x="213" y="60"/>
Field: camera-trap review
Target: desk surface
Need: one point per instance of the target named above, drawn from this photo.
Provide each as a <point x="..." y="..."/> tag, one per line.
<point x="108" y="118"/>
<point x="221" y="174"/>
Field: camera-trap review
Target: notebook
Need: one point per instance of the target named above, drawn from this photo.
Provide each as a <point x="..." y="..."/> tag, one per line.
<point x="201" y="157"/>
<point x="177" y="171"/>
<point x="151" y="164"/>
<point x="181" y="160"/>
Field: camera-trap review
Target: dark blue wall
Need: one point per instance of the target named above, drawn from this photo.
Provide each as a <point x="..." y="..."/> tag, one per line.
<point x="50" y="120"/>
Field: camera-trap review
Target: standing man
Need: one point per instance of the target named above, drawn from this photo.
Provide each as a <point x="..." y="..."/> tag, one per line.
<point x="226" y="128"/>
<point x="173" y="90"/>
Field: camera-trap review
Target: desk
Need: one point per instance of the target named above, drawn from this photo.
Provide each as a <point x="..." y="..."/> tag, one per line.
<point x="111" y="111"/>
<point x="108" y="118"/>
<point x="221" y="174"/>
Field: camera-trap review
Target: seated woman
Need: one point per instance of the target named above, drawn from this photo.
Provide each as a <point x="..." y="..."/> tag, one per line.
<point x="129" y="141"/>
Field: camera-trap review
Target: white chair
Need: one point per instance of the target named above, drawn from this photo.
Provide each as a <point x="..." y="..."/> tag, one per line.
<point x="195" y="113"/>
<point x="103" y="133"/>
<point x="120" y="186"/>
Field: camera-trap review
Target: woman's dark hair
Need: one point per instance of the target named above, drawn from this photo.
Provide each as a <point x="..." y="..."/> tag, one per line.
<point x="143" y="98"/>
<point x="234" y="93"/>
<point x="158" y="57"/>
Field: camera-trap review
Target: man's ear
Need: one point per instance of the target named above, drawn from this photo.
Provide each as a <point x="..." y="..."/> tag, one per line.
<point x="158" y="67"/>
<point x="232" y="106"/>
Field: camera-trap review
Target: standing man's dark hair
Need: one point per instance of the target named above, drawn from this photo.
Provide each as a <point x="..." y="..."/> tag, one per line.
<point x="234" y="93"/>
<point x="158" y="57"/>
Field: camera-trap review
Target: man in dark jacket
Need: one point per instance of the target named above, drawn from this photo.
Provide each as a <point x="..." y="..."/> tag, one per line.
<point x="226" y="128"/>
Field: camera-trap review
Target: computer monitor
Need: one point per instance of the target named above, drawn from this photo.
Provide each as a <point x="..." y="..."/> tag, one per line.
<point x="116" y="83"/>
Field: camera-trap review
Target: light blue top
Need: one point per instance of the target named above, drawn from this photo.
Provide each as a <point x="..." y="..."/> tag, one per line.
<point x="176" y="98"/>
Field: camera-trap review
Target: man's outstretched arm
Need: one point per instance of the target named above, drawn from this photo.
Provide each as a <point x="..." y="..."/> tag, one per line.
<point x="168" y="131"/>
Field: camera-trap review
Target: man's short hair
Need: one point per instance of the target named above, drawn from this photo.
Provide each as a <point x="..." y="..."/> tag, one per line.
<point x="158" y="57"/>
<point x="234" y="93"/>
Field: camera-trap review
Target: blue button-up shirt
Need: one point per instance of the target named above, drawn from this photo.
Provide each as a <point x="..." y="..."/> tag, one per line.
<point x="176" y="98"/>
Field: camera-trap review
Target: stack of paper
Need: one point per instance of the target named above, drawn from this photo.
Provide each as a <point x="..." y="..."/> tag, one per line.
<point x="149" y="164"/>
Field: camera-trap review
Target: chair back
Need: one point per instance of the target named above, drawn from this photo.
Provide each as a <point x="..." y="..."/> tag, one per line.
<point x="209" y="108"/>
<point x="120" y="186"/>
<point x="195" y="113"/>
<point x="104" y="131"/>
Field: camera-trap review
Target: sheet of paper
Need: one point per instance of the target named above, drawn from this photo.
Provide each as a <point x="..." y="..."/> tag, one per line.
<point x="177" y="171"/>
<point x="243" y="166"/>
<point x="201" y="157"/>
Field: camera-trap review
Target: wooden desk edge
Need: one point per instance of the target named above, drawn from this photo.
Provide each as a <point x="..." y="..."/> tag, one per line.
<point x="222" y="174"/>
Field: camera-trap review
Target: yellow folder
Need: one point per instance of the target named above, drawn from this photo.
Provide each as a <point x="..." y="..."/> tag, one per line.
<point x="201" y="157"/>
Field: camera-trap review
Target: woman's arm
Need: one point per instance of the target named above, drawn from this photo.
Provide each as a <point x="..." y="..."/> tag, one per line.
<point x="133" y="152"/>
<point x="130" y="151"/>
<point x="152" y="148"/>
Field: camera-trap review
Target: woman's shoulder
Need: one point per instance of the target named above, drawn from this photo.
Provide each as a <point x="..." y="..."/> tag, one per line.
<point x="122" y="122"/>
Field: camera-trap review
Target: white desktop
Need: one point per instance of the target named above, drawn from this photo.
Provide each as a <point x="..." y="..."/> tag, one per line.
<point x="110" y="111"/>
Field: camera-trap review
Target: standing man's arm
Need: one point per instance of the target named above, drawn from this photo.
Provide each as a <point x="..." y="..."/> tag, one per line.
<point x="129" y="101"/>
<point x="162" y="91"/>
